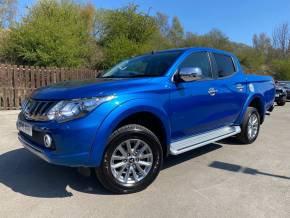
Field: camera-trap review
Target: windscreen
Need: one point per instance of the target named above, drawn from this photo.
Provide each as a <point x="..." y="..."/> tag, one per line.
<point x="151" y="65"/>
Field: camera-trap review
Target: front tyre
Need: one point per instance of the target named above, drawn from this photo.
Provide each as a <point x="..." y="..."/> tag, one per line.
<point x="132" y="160"/>
<point x="250" y="126"/>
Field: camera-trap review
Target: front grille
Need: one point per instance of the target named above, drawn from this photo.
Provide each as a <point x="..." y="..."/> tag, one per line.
<point x="37" y="110"/>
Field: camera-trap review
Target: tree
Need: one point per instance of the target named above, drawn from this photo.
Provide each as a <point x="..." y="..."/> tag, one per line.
<point x="124" y="33"/>
<point x="281" y="39"/>
<point x="217" y="39"/>
<point x="54" y="33"/>
<point x="7" y="12"/>
<point x="3" y="38"/>
<point x="262" y="43"/>
<point x="176" y="32"/>
<point x="162" y="22"/>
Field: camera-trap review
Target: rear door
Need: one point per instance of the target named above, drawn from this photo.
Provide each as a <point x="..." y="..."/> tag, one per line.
<point x="231" y="88"/>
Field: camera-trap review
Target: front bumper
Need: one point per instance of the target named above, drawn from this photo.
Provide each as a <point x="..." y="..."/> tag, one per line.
<point x="74" y="160"/>
<point x="72" y="141"/>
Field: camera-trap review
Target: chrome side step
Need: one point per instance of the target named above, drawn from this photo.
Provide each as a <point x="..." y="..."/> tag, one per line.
<point x="197" y="141"/>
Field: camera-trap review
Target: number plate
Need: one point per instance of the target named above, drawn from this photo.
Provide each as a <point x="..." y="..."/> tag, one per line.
<point x="24" y="127"/>
<point x="277" y="95"/>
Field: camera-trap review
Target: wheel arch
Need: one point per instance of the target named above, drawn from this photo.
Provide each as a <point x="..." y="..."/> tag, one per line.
<point x="125" y="113"/>
<point x="149" y="120"/>
<point x="256" y="101"/>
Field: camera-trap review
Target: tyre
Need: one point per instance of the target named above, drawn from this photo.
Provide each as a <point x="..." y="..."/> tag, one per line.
<point x="132" y="160"/>
<point x="250" y="126"/>
<point x="281" y="103"/>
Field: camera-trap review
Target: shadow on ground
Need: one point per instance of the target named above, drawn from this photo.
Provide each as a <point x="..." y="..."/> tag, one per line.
<point x="29" y="175"/>
<point x="26" y="174"/>
<point x="241" y="169"/>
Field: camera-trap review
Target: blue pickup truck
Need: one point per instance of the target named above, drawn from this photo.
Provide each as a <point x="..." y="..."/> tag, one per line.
<point x="126" y="121"/>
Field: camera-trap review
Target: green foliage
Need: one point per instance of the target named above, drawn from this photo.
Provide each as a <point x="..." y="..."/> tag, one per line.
<point x="125" y="33"/>
<point x="176" y="32"/>
<point x="120" y="48"/>
<point x="53" y="34"/>
<point x="281" y="69"/>
<point x="3" y="36"/>
<point x="63" y="33"/>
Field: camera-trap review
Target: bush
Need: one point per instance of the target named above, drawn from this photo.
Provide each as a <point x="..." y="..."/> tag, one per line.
<point x="281" y="69"/>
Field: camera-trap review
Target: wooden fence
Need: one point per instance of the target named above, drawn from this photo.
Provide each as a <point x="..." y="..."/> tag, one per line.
<point x="17" y="82"/>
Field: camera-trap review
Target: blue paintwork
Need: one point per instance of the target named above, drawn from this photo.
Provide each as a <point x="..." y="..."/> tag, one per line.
<point x="184" y="109"/>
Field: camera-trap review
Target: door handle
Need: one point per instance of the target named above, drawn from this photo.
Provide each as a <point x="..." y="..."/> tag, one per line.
<point x="212" y="91"/>
<point x="240" y="87"/>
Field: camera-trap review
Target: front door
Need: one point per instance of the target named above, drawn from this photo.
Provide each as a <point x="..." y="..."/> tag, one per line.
<point x="194" y="104"/>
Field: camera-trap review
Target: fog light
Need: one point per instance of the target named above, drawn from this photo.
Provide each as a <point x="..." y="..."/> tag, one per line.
<point x="47" y="141"/>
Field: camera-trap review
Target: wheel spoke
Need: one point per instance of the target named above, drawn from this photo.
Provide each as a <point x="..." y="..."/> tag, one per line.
<point x="142" y="150"/>
<point x="121" y="171"/>
<point x="136" y="146"/>
<point x="127" y="174"/>
<point x="135" y="174"/>
<point x="250" y="132"/>
<point x="115" y="157"/>
<point x="129" y="148"/>
<point x="250" y="121"/>
<point x="255" y="120"/>
<point x="144" y="163"/>
<point x="140" y="169"/>
<point x="121" y="149"/>
<point x="143" y="156"/>
<point x="115" y="166"/>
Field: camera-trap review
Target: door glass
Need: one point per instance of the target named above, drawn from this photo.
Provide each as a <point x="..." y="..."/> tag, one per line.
<point x="200" y="60"/>
<point x="224" y="64"/>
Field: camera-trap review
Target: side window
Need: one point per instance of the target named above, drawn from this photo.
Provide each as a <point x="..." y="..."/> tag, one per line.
<point x="224" y="64"/>
<point x="201" y="60"/>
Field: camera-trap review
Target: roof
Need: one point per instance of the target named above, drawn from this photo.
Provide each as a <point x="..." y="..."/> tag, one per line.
<point x="195" y="49"/>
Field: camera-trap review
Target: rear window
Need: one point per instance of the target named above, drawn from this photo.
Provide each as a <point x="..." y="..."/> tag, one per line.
<point x="224" y="64"/>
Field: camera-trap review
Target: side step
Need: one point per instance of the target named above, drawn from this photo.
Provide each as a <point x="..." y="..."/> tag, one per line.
<point x="197" y="141"/>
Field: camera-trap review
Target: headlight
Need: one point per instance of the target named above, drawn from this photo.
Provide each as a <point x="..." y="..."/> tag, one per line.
<point x="71" y="109"/>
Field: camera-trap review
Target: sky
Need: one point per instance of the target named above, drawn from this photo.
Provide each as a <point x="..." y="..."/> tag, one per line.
<point x="238" y="19"/>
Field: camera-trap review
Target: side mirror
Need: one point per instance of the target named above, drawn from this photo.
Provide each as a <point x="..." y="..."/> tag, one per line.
<point x="188" y="74"/>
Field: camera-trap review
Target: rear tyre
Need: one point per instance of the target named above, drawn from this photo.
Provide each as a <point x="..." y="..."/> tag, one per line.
<point x="132" y="160"/>
<point x="250" y="126"/>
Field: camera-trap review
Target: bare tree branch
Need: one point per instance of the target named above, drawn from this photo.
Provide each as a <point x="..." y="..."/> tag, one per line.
<point x="281" y="38"/>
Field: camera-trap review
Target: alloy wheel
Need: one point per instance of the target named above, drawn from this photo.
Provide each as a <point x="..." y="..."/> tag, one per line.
<point x="253" y="125"/>
<point x="131" y="161"/>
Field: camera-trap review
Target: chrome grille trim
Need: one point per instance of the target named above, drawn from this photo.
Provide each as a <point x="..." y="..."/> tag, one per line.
<point x="37" y="110"/>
